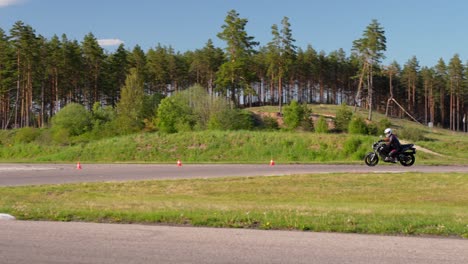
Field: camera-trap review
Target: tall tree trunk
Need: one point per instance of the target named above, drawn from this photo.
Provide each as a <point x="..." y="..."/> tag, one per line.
<point x="357" y="100"/>
<point x="431" y="104"/>
<point x="18" y="88"/>
<point x="272" y="91"/>
<point x="442" y="106"/>
<point x="391" y="93"/>
<point x="458" y="112"/>
<point x="451" y="110"/>
<point x="371" y="90"/>
<point x="280" y="94"/>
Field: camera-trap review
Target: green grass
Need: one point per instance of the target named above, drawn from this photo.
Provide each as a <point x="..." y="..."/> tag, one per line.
<point x="222" y="147"/>
<point x="202" y="147"/>
<point x="236" y="146"/>
<point x="410" y="204"/>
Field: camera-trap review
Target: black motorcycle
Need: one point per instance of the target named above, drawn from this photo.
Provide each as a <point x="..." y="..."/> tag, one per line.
<point x="405" y="156"/>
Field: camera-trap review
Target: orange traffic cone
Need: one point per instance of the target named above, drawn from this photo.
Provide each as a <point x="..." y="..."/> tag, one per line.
<point x="78" y="166"/>
<point x="179" y="163"/>
<point x="272" y="162"/>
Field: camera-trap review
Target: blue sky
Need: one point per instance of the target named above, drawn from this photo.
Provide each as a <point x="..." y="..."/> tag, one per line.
<point x="427" y="29"/>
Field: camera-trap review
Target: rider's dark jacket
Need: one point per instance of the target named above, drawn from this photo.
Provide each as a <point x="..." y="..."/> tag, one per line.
<point x="393" y="142"/>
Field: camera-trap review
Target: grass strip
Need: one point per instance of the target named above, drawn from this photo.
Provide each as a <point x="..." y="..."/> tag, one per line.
<point x="407" y="203"/>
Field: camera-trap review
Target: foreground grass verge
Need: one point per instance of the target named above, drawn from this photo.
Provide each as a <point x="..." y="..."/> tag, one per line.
<point x="410" y="204"/>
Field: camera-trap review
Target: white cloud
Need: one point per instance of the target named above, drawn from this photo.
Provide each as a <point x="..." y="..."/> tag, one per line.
<point x="109" y="42"/>
<point x="5" y="3"/>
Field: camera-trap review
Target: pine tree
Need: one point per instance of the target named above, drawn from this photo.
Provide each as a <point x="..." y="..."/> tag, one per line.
<point x="6" y="79"/>
<point x="441" y="87"/>
<point x="94" y="57"/>
<point x="428" y="85"/>
<point x="456" y="84"/>
<point x="370" y="50"/>
<point x="234" y="74"/>
<point x="410" y="76"/>
<point x="118" y="67"/>
<point x="25" y="43"/>
<point x="281" y="56"/>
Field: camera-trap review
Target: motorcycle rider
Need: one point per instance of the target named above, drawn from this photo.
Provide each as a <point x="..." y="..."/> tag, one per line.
<point x="393" y="145"/>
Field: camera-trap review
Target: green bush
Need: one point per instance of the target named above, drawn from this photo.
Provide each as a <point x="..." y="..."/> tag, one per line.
<point x="26" y="134"/>
<point x="307" y="124"/>
<point x="269" y="123"/>
<point x="174" y="115"/>
<point x="74" y="118"/>
<point x="6" y="137"/>
<point x="195" y="109"/>
<point x="150" y="105"/>
<point x="373" y="129"/>
<point x="45" y="138"/>
<point x="61" y="136"/>
<point x="231" y="119"/>
<point x="351" y="145"/>
<point x="322" y="125"/>
<point x="411" y="134"/>
<point x="296" y="115"/>
<point x="343" y="117"/>
<point x="357" y="126"/>
<point x="382" y="125"/>
<point x="292" y="115"/>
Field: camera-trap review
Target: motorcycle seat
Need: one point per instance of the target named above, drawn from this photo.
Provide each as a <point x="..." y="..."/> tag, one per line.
<point x="406" y="146"/>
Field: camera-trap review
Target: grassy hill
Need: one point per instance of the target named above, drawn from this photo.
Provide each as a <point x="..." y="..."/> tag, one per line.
<point x="436" y="146"/>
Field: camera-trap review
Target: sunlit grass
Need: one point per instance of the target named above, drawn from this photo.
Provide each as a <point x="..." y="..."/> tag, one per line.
<point x="242" y="146"/>
<point x="435" y="204"/>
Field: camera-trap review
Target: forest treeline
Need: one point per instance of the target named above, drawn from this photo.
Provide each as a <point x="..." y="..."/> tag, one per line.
<point x="39" y="76"/>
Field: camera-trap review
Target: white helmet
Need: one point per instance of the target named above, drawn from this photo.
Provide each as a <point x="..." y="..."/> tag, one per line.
<point x="388" y="132"/>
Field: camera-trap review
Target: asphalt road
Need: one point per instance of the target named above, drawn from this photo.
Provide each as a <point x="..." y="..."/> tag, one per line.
<point x="34" y="174"/>
<point x="57" y="242"/>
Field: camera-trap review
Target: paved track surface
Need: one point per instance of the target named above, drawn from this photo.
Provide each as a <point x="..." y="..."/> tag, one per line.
<point x="52" y="242"/>
<point x="57" y="242"/>
<point x="34" y="174"/>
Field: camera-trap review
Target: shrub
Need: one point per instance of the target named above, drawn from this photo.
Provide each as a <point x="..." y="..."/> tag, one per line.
<point x="373" y="129"/>
<point x="26" y="135"/>
<point x="296" y="115"/>
<point x="351" y="145"/>
<point x="322" y="125"/>
<point x="74" y="118"/>
<point x="104" y="122"/>
<point x="173" y="115"/>
<point x="6" y="137"/>
<point x="150" y="105"/>
<point x="343" y="117"/>
<point x="292" y="115"/>
<point x="307" y="124"/>
<point x="231" y="119"/>
<point x="382" y="125"/>
<point x="411" y="134"/>
<point x="45" y="138"/>
<point x="61" y="136"/>
<point x="195" y="109"/>
<point x="357" y="126"/>
<point x="269" y="123"/>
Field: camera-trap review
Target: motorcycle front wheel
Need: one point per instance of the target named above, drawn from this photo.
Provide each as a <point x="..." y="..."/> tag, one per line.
<point x="371" y="159"/>
<point x="407" y="159"/>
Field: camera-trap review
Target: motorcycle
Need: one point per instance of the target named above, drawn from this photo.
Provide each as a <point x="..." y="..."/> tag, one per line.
<point x="405" y="156"/>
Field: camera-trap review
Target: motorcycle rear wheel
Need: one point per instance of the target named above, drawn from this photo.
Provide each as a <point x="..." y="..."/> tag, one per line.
<point x="371" y="159"/>
<point x="407" y="159"/>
